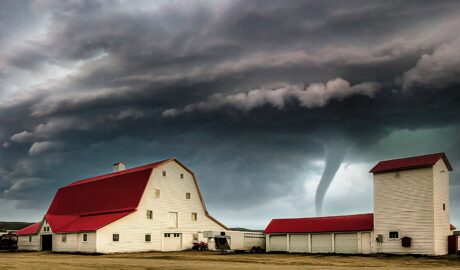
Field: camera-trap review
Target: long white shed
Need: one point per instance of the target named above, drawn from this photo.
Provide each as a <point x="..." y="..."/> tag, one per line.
<point x="337" y="234"/>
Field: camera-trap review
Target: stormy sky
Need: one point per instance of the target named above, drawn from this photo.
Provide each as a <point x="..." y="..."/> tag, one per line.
<point x="257" y="97"/>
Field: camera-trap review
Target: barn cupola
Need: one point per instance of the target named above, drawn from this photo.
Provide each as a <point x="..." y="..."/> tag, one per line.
<point x="119" y="166"/>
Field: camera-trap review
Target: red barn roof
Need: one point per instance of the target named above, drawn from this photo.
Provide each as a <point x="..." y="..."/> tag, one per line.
<point x="410" y="163"/>
<point x="92" y="203"/>
<point x="361" y="222"/>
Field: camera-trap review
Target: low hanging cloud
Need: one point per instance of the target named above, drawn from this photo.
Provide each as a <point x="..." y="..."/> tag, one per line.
<point x="311" y="96"/>
<point x="437" y="70"/>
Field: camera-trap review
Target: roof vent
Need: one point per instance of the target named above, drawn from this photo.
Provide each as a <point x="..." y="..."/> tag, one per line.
<point x="119" y="166"/>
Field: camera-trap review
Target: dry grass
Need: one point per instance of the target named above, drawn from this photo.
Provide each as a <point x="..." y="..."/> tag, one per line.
<point x="214" y="260"/>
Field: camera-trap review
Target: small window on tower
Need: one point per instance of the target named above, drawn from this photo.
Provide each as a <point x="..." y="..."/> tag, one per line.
<point x="444" y="206"/>
<point x="194" y="216"/>
<point x="149" y="214"/>
<point x="115" y="237"/>
<point x="187" y="195"/>
<point x="163" y="173"/>
<point x="393" y="235"/>
<point x="156" y="193"/>
<point x="181" y="176"/>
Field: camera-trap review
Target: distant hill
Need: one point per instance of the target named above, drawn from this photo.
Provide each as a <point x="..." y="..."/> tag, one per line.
<point x="4" y="225"/>
<point x="245" y="230"/>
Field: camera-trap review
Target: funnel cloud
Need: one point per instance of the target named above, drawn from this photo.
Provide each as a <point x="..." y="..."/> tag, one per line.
<point x="335" y="154"/>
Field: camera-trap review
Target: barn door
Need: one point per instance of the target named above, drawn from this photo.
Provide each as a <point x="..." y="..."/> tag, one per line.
<point x="366" y="243"/>
<point x="47" y="242"/>
<point x="172" y="223"/>
<point x="172" y="241"/>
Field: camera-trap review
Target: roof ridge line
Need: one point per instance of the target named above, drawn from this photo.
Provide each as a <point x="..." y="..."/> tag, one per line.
<point x="326" y="216"/>
<point x="109" y="175"/>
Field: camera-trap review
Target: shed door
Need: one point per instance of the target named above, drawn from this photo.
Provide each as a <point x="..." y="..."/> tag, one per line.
<point x="172" y="241"/>
<point x="366" y="243"/>
<point x="298" y="243"/>
<point x="321" y="243"/>
<point x="278" y="243"/>
<point x="346" y="243"/>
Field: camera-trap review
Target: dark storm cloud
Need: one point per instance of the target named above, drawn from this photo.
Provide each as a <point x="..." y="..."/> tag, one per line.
<point x="249" y="94"/>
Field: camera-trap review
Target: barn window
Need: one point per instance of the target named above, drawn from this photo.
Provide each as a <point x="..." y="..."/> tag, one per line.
<point x="157" y="193"/>
<point x="148" y="238"/>
<point x="85" y="237"/>
<point x="115" y="237"/>
<point x="194" y="216"/>
<point x="64" y="238"/>
<point x="195" y="237"/>
<point x="30" y="238"/>
<point x="167" y="235"/>
<point x="444" y="206"/>
<point x="163" y="173"/>
<point x="393" y="235"/>
<point x="149" y="214"/>
<point x="181" y="176"/>
<point x="187" y="195"/>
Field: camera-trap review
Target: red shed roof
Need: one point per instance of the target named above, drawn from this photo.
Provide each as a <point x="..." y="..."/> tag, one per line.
<point x="360" y="222"/>
<point x="92" y="203"/>
<point x="31" y="229"/>
<point x="410" y="163"/>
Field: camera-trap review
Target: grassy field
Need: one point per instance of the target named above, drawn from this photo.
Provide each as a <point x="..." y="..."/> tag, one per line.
<point x="214" y="260"/>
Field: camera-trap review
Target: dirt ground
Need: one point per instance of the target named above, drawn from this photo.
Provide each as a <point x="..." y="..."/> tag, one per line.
<point x="215" y="260"/>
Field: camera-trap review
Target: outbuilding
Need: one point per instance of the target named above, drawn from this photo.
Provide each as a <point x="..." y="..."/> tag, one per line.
<point x="411" y="215"/>
<point x="336" y="234"/>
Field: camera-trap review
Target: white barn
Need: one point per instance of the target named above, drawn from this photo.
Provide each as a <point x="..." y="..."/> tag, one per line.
<point x="157" y="206"/>
<point x="411" y="215"/>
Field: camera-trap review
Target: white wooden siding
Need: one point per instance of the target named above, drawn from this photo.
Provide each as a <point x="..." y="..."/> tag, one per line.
<point x="88" y="246"/>
<point x="132" y="228"/>
<point x="403" y="201"/>
<point x="441" y="216"/>
<point x="24" y="244"/>
<point x="74" y="242"/>
<point x="71" y="244"/>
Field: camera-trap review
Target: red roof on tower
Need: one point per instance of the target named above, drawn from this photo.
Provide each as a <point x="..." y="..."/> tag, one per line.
<point x="410" y="163"/>
<point x="361" y="222"/>
<point x="92" y="203"/>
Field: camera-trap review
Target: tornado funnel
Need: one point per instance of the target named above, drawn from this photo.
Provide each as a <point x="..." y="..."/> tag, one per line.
<point x="335" y="153"/>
